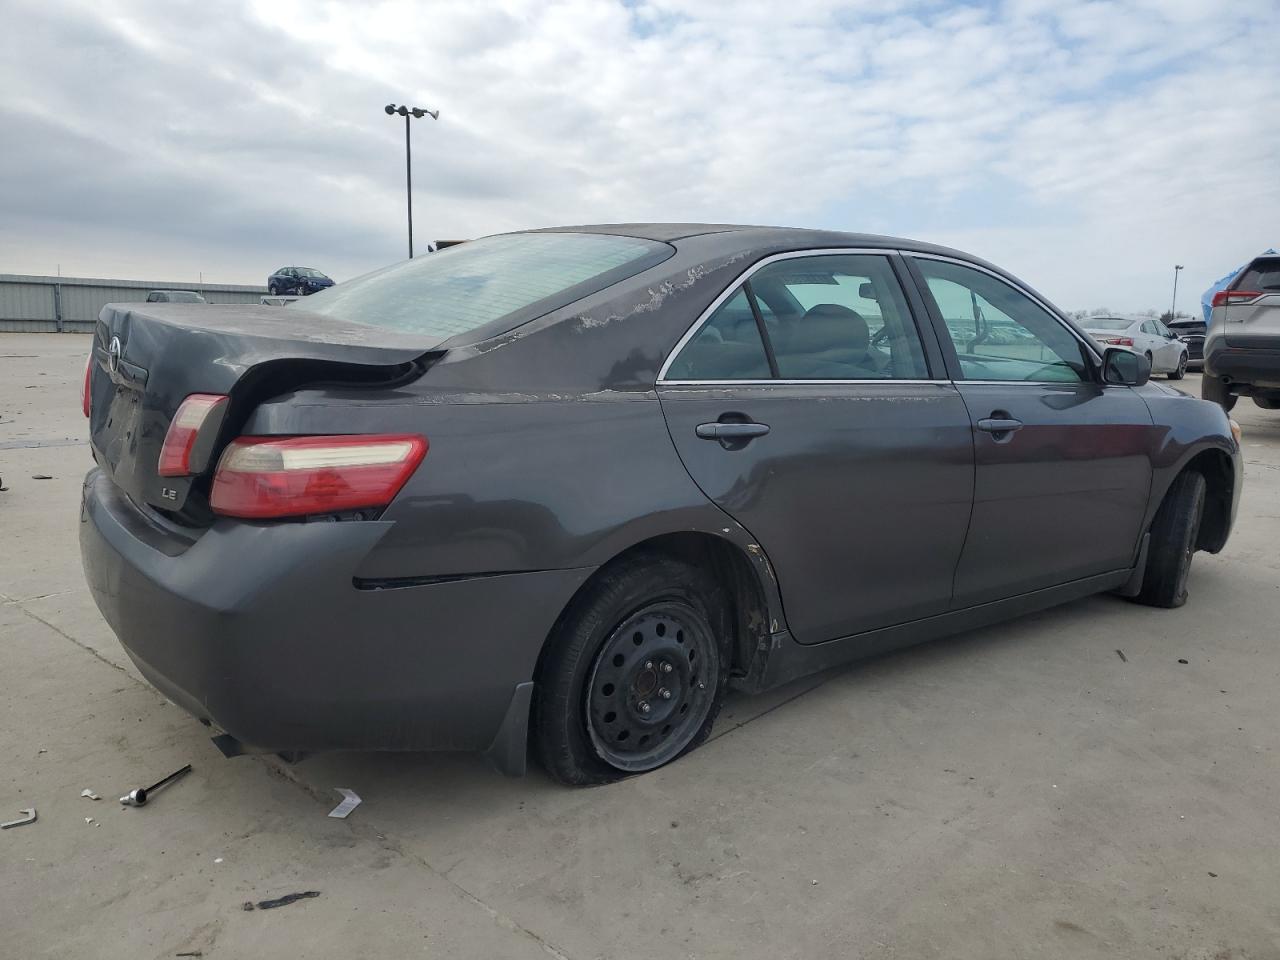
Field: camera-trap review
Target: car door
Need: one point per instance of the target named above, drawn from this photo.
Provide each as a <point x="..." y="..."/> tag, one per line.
<point x="1062" y="460"/>
<point x="1152" y="344"/>
<point x="807" y="404"/>
<point x="1170" y="347"/>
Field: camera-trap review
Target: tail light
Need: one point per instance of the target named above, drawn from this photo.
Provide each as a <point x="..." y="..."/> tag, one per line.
<point x="84" y="386"/>
<point x="1118" y="341"/>
<point x="262" y="477"/>
<point x="180" y="441"/>
<point x="1224" y="297"/>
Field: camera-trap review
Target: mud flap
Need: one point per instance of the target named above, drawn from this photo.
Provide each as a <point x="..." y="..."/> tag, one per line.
<point x="1133" y="586"/>
<point x="509" y="751"/>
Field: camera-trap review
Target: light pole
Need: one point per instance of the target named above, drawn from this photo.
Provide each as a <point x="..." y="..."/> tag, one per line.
<point x="1173" y="307"/>
<point x="407" y="112"/>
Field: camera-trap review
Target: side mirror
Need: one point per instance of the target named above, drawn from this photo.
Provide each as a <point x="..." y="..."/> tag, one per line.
<point x="867" y="291"/>
<point x="1125" y="368"/>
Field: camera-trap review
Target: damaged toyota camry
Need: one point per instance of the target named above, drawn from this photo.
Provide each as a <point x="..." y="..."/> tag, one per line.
<point x="559" y="490"/>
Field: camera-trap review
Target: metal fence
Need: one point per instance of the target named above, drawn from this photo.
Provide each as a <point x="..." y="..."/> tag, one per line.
<point x="71" y="304"/>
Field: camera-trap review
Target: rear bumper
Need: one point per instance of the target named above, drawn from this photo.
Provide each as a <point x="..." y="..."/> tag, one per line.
<point x="258" y="629"/>
<point x="1253" y="366"/>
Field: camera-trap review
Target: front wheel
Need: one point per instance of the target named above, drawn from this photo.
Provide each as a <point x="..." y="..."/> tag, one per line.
<point x="635" y="672"/>
<point x="1173" y="542"/>
<point x="1181" y="370"/>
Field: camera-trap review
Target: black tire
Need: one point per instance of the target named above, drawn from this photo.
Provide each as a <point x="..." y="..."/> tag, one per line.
<point x="1213" y="389"/>
<point x="301" y="290"/>
<point x="1173" y="542"/>
<point x="273" y="290"/>
<point x="1267" y="403"/>
<point x="633" y="612"/>
<point x="1181" y="370"/>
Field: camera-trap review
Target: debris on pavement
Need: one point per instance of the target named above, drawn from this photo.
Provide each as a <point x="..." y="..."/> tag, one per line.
<point x="284" y="901"/>
<point x="41" y="476"/>
<point x="1182" y="661"/>
<point x="350" y="802"/>
<point x="28" y="816"/>
<point x="190" y="953"/>
<point x="1120" y="654"/>
<point x="86" y="792"/>
<point x="139" y="796"/>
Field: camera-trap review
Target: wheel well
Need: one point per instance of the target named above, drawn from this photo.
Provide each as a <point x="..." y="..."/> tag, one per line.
<point x="1218" y="472"/>
<point x="748" y="607"/>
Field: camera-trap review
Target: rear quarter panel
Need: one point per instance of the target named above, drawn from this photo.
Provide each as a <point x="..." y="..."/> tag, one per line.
<point x="517" y="482"/>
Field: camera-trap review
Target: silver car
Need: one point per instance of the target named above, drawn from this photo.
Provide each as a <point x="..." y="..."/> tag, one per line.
<point x="1242" y="345"/>
<point x="1145" y="335"/>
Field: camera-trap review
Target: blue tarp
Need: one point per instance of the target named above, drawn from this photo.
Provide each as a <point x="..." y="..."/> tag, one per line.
<point x="1206" y="298"/>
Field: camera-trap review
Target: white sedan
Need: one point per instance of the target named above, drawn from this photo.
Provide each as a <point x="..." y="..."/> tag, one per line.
<point x="1145" y="335"/>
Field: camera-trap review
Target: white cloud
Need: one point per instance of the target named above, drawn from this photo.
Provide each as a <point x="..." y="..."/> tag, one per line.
<point x="1085" y="146"/>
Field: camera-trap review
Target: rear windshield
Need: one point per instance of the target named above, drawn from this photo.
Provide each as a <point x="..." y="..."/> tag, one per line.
<point x="514" y="277"/>
<point x="1260" y="275"/>
<point x="1095" y="324"/>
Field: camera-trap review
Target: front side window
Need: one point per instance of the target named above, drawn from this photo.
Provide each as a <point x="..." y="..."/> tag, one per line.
<point x="999" y="332"/>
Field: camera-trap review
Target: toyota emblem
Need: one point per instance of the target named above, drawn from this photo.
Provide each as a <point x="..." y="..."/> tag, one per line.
<point x="113" y="354"/>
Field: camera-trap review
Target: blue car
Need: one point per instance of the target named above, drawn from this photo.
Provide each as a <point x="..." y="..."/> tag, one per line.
<point x="300" y="281"/>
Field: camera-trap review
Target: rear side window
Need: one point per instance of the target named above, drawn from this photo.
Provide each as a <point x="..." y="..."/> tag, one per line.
<point x="1262" y="274"/>
<point x="509" y="278"/>
<point x="726" y="347"/>
<point x="838" y="318"/>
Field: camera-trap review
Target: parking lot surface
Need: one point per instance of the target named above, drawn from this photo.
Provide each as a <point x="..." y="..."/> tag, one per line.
<point x="1099" y="780"/>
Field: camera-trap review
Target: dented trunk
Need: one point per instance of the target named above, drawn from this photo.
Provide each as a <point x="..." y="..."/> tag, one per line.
<point x="147" y="358"/>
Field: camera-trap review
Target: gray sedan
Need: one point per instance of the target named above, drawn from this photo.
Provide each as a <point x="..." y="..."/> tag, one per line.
<point x="1165" y="350"/>
<point x="563" y="489"/>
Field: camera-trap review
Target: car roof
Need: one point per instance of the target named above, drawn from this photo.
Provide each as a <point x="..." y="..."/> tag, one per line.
<point x="755" y="235"/>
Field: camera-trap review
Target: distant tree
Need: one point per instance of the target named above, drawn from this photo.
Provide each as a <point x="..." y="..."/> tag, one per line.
<point x="1168" y="317"/>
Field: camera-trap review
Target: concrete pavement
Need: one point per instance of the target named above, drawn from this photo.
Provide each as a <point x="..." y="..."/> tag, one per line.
<point x="1017" y="791"/>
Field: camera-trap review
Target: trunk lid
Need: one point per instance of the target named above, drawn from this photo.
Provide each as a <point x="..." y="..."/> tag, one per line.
<point x="147" y="358"/>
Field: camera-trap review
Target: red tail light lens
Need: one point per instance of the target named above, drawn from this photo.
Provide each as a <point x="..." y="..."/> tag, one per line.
<point x="175" y="453"/>
<point x="1224" y="297"/>
<point x="84" y="387"/>
<point x="1118" y="341"/>
<point x="261" y="477"/>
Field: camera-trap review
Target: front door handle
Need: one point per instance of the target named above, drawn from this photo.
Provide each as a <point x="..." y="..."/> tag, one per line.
<point x="731" y="431"/>
<point x="999" y="425"/>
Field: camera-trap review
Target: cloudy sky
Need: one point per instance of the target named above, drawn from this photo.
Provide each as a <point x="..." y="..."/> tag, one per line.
<point x="1086" y="146"/>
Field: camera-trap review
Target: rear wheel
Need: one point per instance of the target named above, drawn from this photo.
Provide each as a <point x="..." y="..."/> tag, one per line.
<point x="273" y="290"/>
<point x="1181" y="370"/>
<point x="1213" y="389"/>
<point x="1267" y="403"/>
<point x="635" y="672"/>
<point x="1173" y="542"/>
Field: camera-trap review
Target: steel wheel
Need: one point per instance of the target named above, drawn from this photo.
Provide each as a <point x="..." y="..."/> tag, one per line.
<point x="652" y="686"/>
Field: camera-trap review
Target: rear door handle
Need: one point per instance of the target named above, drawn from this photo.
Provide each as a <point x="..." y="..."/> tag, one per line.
<point x="730" y="431"/>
